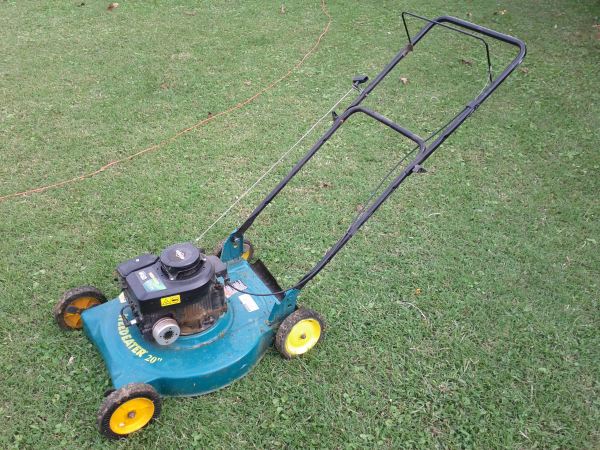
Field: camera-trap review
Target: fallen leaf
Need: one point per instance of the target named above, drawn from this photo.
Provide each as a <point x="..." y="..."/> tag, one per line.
<point x="359" y="208"/>
<point x="418" y="291"/>
<point x="469" y="14"/>
<point x="282" y="9"/>
<point x="112" y="6"/>
<point x="71" y="360"/>
<point x="247" y="82"/>
<point x="209" y="115"/>
<point x="500" y="12"/>
<point x="404" y="80"/>
<point x="525" y="70"/>
<point x="466" y="62"/>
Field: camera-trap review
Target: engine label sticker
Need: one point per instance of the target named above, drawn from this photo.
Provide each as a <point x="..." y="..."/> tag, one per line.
<point x="172" y="300"/>
<point x="248" y="302"/>
<point x="239" y="284"/>
<point x="150" y="281"/>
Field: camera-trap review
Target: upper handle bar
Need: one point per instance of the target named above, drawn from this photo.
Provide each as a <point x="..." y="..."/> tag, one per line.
<point x="479" y="29"/>
<point x="425" y="150"/>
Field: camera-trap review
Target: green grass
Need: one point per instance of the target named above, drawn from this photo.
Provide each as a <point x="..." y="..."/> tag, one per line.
<point x="500" y="236"/>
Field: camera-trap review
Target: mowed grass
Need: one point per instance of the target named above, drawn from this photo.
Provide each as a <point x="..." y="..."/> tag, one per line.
<point x="463" y="315"/>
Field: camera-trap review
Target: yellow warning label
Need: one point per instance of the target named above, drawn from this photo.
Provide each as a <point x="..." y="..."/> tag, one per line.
<point x="172" y="300"/>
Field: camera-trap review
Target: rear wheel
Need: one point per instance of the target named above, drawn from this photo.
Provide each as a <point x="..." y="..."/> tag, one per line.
<point x="247" y="252"/>
<point x="299" y="332"/>
<point x="128" y="409"/>
<point x="67" y="311"/>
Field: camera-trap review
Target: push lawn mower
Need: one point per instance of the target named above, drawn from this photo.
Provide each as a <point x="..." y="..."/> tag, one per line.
<point x="187" y="323"/>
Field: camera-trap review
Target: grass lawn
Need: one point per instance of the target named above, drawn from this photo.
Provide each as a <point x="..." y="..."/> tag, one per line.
<point x="464" y="315"/>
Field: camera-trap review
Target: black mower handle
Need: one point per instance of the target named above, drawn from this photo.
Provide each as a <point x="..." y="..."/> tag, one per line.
<point x="425" y="151"/>
<point x="478" y="29"/>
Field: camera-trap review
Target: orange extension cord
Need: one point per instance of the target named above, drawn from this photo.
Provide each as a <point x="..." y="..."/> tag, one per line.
<point x="185" y="130"/>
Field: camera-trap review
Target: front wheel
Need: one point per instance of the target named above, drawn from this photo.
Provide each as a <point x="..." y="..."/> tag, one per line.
<point x="67" y="312"/>
<point x="128" y="409"/>
<point x="299" y="332"/>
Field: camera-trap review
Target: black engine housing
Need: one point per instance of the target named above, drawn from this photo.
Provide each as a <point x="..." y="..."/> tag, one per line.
<point x="181" y="284"/>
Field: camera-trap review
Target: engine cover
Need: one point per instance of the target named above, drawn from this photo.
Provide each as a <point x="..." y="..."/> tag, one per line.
<point x="181" y="284"/>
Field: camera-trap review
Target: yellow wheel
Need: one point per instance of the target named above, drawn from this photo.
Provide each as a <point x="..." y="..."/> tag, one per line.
<point x="128" y="410"/>
<point x="67" y="311"/>
<point x="247" y="252"/>
<point x="299" y="332"/>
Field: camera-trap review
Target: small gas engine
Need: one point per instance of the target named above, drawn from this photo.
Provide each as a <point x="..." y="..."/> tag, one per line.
<point x="178" y="293"/>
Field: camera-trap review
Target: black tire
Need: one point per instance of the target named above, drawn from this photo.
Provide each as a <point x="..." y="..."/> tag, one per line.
<point x="248" y="248"/>
<point x="135" y="391"/>
<point x="286" y="329"/>
<point x="78" y="299"/>
<point x="108" y="392"/>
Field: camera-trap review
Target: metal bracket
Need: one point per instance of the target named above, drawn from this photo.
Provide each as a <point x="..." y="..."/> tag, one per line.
<point x="232" y="247"/>
<point x="285" y="307"/>
<point x="126" y="321"/>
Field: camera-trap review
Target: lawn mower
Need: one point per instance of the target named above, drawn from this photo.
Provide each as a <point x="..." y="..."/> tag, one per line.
<point x="188" y="323"/>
